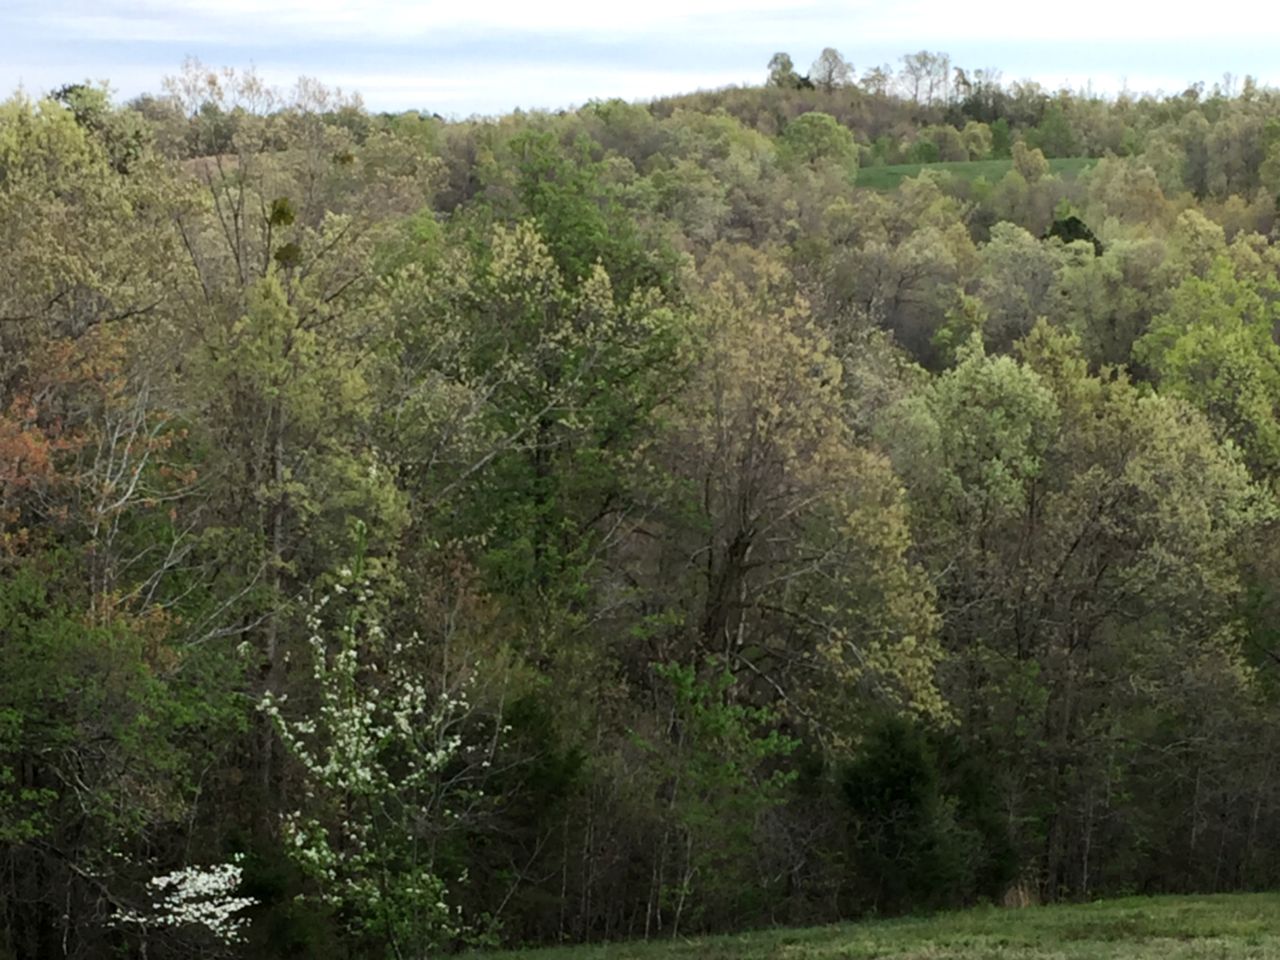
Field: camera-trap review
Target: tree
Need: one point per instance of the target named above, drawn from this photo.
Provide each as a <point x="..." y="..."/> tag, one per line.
<point x="713" y="765"/>
<point x="566" y="374"/>
<point x="794" y="528"/>
<point x="910" y="837"/>
<point x="817" y="138"/>
<point x="977" y="139"/>
<point x="878" y="80"/>
<point x="1001" y="138"/>
<point x="1029" y="162"/>
<point x="1019" y="281"/>
<point x="389" y="769"/>
<point x="782" y="72"/>
<point x="1069" y="532"/>
<point x="82" y="242"/>
<point x="896" y="262"/>
<point x="100" y="748"/>
<point x="1215" y="347"/>
<point x="280" y="281"/>
<point x="1055" y="135"/>
<point x="1108" y="301"/>
<point x="581" y="217"/>
<point x="925" y="77"/>
<point x="721" y="178"/>
<point x="831" y="71"/>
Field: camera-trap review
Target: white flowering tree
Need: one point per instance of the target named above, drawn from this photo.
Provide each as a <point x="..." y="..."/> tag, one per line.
<point x="196" y="899"/>
<point x="393" y="755"/>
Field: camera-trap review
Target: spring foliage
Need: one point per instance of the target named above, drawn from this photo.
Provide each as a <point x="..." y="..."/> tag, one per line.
<point x="768" y="505"/>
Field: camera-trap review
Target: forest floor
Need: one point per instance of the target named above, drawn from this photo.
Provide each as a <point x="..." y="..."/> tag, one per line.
<point x="888" y="177"/>
<point x="1231" y="927"/>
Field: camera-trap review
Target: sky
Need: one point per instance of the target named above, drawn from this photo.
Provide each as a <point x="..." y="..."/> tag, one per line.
<point x="458" y="58"/>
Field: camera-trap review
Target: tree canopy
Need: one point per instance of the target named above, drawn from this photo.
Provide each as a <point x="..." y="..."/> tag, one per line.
<point x="765" y="505"/>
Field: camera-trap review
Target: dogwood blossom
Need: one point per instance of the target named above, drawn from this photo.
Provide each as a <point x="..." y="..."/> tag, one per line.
<point x="197" y="896"/>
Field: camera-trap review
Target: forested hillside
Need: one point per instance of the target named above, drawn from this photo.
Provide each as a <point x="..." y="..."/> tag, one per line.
<point x="632" y="521"/>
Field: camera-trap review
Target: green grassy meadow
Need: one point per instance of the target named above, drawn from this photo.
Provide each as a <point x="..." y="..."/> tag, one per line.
<point x="888" y="177"/>
<point x="1235" y="926"/>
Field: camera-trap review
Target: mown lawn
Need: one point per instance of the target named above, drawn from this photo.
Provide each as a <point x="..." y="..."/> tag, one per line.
<point x="888" y="177"/>
<point x="1231" y="927"/>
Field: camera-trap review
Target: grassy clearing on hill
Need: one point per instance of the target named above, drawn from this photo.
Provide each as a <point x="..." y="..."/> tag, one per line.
<point x="1237" y="926"/>
<point x="888" y="177"/>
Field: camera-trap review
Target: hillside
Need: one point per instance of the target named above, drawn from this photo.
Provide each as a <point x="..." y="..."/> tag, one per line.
<point x="553" y="527"/>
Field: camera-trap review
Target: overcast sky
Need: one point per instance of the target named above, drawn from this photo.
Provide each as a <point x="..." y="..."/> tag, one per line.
<point x="459" y="58"/>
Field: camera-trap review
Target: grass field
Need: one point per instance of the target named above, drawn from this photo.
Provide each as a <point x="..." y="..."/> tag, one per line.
<point x="1231" y="927"/>
<point x="887" y="178"/>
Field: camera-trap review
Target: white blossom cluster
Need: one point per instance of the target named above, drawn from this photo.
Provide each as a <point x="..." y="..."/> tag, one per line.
<point x="197" y="896"/>
<point x="374" y="754"/>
